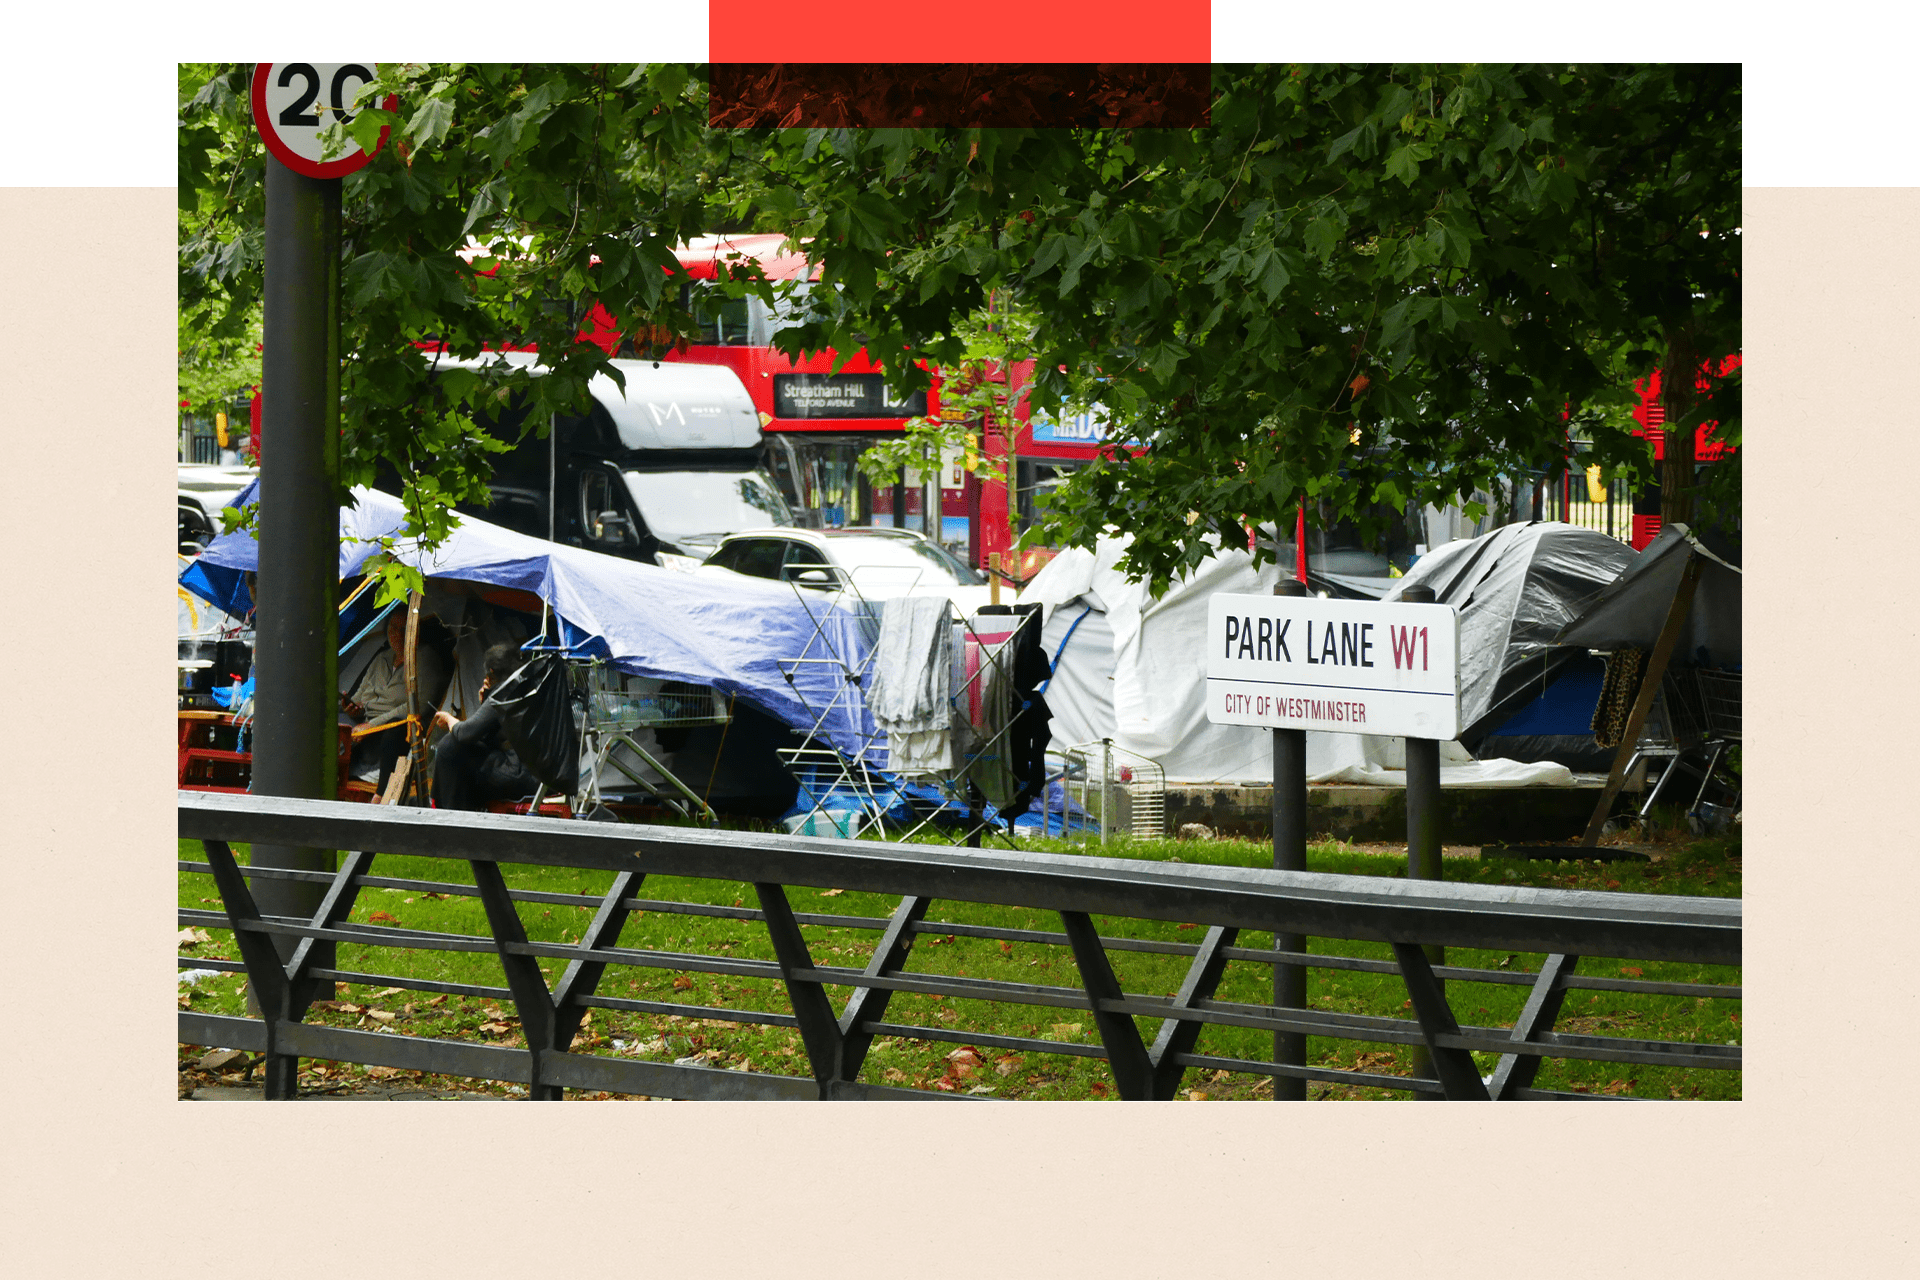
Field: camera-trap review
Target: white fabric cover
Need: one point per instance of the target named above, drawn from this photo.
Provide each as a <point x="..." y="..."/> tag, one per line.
<point x="910" y="684"/>
<point x="1135" y="670"/>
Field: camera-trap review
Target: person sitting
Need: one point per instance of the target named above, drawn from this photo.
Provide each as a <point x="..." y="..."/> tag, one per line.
<point x="379" y="697"/>
<point x="475" y="765"/>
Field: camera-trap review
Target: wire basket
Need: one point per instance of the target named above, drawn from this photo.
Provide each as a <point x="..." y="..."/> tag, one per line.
<point x="616" y="699"/>
<point x="1720" y="699"/>
<point x="1676" y="716"/>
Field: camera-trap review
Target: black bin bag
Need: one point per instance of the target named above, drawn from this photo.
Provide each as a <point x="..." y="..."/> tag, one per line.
<point x="536" y="712"/>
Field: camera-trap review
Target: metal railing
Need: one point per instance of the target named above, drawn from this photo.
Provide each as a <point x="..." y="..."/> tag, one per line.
<point x="1406" y="915"/>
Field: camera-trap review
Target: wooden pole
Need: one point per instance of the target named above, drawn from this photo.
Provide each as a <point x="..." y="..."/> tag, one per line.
<point x="1649" y="687"/>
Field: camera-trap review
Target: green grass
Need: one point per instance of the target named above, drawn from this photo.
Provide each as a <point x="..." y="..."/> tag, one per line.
<point x="1702" y="868"/>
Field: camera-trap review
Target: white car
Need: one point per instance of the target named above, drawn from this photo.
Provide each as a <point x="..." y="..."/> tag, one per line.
<point x="205" y="487"/>
<point x="853" y="566"/>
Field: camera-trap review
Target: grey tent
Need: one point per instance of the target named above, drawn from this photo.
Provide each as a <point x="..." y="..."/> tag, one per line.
<point x="1693" y="582"/>
<point x="1515" y="589"/>
<point x="1628" y="614"/>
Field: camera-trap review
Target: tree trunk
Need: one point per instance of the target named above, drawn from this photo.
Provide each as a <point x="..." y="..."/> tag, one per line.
<point x="1679" y="376"/>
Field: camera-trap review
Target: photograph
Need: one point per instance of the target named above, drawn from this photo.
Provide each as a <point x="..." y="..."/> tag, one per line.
<point x="1083" y="581"/>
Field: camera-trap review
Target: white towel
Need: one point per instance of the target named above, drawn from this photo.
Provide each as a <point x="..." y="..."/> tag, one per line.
<point x="908" y="690"/>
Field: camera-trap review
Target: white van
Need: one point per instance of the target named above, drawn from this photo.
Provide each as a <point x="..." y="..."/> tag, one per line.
<point x="659" y="472"/>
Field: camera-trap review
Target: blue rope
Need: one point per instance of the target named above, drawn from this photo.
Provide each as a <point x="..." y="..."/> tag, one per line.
<point x="366" y="631"/>
<point x="1054" y="667"/>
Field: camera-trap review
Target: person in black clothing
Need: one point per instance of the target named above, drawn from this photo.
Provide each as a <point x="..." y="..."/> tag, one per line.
<point x="475" y="766"/>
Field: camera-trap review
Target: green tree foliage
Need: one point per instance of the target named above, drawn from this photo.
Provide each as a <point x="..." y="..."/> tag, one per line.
<point x="1358" y="285"/>
<point x="575" y="182"/>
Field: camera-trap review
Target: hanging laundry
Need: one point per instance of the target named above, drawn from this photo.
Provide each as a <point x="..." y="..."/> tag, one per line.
<point x="910" y="683"/>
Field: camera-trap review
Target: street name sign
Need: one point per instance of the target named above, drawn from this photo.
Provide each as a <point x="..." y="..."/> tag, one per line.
<point x="293" y="100"/>
<point x="1338" y="666"/>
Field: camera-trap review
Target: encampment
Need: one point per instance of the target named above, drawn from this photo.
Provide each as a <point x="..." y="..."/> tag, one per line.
<point x="1128" y="667"/>
<point x="752" y="642"/>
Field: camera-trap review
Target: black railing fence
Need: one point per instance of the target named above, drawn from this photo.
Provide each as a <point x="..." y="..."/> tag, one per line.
<point x="1407" y="915"/>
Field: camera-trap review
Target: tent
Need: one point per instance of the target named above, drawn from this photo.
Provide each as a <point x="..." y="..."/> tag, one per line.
<point x="738" y="636"/>
<point x="1523" y="689"/>
<point x="1128" y="667"/>
<point x="1628" y="612"/>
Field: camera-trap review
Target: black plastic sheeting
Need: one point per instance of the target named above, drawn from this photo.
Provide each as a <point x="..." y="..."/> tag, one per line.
<point x="1629" y="613"/>
<point x="536" y="710"/>
<point x="1515" y="589"/>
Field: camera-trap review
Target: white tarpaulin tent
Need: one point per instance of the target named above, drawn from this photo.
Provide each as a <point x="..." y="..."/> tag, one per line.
<point x="1134" y="669"/>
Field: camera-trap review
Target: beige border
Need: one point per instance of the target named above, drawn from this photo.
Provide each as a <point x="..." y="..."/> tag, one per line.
<point x="1808" y="1177"/>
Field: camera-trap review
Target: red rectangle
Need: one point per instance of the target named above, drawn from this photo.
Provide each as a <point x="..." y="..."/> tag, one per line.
<point x="960" y="95"/>
<point x="984" y="31"/>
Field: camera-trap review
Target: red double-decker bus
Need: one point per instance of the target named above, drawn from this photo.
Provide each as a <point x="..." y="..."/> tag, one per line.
<point x="817" y="421"/>
<point x="1652" y="417"/>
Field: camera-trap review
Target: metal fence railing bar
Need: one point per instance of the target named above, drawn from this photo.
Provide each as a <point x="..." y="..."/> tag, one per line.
<point x="1563" y="925"/>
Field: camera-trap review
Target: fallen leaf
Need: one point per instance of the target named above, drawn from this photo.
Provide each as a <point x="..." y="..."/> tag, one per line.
<point x="1186" y="926"/>
<point x="1006" y="1064"/>
<point x="1195" y="1095"/>
<point x="380" y="916"/>
<point x="894" y="1075"/>
<point x="438" y="1000"/>
<point x="383" y="1073"/>
<point x="380" y="1015"/>
<point x="945" y="1084"/>
<point x="1629" y="973"/>
<point x="389" y="991"/>
<point x="1098" y="1089"/>
<point x="495" y="1028"/>
<point x="222" y="1060"/>
<point x="1006" y="948"/>
<point x="831" y="893"/>
<point x="682" y="983"/>
<point x="193" y="937"/>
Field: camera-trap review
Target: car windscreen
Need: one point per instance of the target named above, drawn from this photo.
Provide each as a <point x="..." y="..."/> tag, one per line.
<point x="678" y="505"/>
<point x="895" y="556"/>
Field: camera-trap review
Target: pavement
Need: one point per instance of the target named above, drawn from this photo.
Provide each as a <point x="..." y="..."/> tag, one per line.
<point x="257" y="1093"/>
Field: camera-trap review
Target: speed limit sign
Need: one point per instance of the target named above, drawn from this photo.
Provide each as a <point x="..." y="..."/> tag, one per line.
<point x="292" y="101"/>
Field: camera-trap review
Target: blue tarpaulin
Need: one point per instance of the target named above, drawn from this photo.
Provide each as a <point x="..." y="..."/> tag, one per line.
<point x="735" y="634"/>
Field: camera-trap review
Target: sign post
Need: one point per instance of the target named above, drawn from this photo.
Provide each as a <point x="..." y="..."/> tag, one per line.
<point x="1290" y="854"/>
<point x="295" y="625"/>
<point x="1423" y="834"/>
<point x="1293" y="662"/>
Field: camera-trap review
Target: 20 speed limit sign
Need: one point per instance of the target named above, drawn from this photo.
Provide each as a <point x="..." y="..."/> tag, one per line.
<point x="292" y="101"/>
